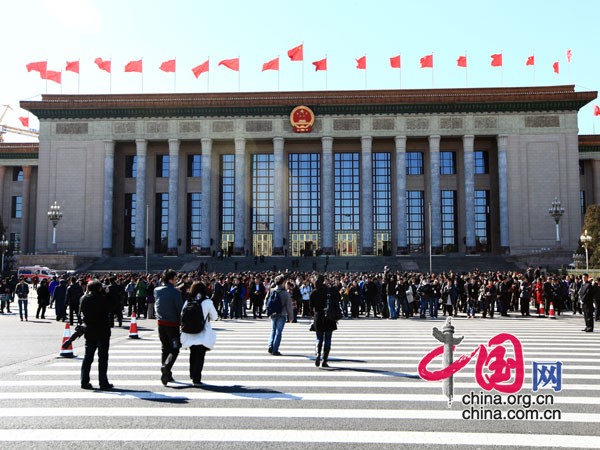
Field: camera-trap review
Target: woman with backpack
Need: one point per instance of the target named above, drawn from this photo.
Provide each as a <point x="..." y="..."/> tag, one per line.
<point x="196" y="332"/>
<point x="325" y="309"/>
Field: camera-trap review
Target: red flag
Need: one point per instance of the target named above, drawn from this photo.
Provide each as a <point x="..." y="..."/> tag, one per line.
<point x="233" y="64"/>
<point x="72" y="66"/>
<point x="596" y="110"/>
<point x="168" y="66"/>
<point x="40" y="67"/>
<point x="395" y="62"/>
<point x="427" y="61"/>
<point x="556" y="67"/>
<point x="134" y="66"/>
<point x="496" y="60"/>
<point x="361" y="63"/>
<point x="530" y="61"/>
<point x="24" y="121"/>
<point x="198" y="70"/>
<point x="297" y="53"/>
<point x="320" y="65"/>
<point x="53" y="75"/>
<point x="461" y="61"/>
<point x="103" y="65"/>
<point x="271" y="65"/>
<point x="569" y="55"/>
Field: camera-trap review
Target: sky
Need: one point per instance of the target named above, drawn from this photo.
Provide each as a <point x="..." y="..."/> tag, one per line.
<point x="193" y="31"/>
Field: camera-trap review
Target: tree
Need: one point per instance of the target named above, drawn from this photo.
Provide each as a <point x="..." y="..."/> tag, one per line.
<point x="591" y="223"/>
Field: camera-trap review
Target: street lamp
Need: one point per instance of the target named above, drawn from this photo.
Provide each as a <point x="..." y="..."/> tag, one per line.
<point x="556" y="212"/>
<point x="586" y="240"/>
<point x="54" y="216"/>
<point x="3" y="248"/>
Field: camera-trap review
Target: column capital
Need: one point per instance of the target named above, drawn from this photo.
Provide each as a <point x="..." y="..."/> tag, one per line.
<point x="366" y="142"/>
<point x="400" y="143"/>
<point x="26" y="171"/>
<point x="206" y="144"/>
<point x="174" y="146"/>
<point x="434" y="142"/>
<point x="327" y="142"/>
<point x="278" y="140"/>
<point x="502" y="140"/>
<point x="141" y="145"/>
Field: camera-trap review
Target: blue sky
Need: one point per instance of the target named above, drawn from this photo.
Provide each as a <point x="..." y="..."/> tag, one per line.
<point x="258" y="31"/>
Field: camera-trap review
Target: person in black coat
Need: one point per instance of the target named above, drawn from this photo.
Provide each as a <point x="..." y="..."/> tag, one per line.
<point x="586" y="297"/>
<point x="321" y="325"/>
<point x="43" y="295"/>
<point x="95" y="308"/>
<point x="74" y="293"/>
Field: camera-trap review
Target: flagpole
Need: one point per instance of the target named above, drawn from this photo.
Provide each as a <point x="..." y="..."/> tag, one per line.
<point x="302" y="65"/>
<point x="239" y="76"/>
<point x="534" y="67"/>
<point x="326" y="72"/>
<point x="432" y="84"/>
<point x="400" y="69"/>
<point x="142" y="74"/>
<point x="110" y="78"/>
<point x="502" y="69"/>
<point x="466" y="70"/>
<point x="46" y="76"/>
<point x="365" y="71"/>
<point x="278" y="73"/>
<point x="208" y="75"/>
<point x="78" y="74"/>
<point x="175" y="77"/>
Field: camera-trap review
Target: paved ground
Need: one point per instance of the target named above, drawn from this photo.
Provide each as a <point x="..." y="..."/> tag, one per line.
<point x="371" y="397"/>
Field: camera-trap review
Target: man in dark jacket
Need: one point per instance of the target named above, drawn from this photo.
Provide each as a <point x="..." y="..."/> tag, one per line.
<point x="586" y="297"/>
<point x="59" y="297"/>
<point x="74" y="294"/>
<point x="168" y="304"/>
<point x="95" y="308"/>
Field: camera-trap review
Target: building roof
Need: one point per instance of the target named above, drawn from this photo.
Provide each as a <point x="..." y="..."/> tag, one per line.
<point x="25" y="150"/>
<point x="589" y="143"/>
<point x="404" y="101"/>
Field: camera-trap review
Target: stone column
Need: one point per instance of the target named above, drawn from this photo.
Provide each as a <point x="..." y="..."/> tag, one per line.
<point x="25" y="209"/>
<point x="596" y="184"/>
<point x="206" y="211"/>
<point x="401" y="237"/>
<point x="435" y="194"/>
<point x="469" y="167"/>
<point x="109" y="173"/>
<point x="173" y="225"/>
<point x="240" y="197"/>
<point x="2" y="173"/>
<point x="141" y="146"/>
<point x="503" y="193"/>
<point x="327" y="211"/>
<point x="278" y="195"/>
<point x="366" y="194"/>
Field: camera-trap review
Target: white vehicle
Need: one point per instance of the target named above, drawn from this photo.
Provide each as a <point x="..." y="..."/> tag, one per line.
<point x="31" y="272"/>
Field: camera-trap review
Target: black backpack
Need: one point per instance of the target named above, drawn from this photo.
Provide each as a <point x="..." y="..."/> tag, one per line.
<point x="192" y="317"/>
<point x="332" y="309"/>
<point x="274" y="305"/>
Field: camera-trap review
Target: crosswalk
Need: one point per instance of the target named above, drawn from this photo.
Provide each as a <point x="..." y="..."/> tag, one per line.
<point x="371" y="394"/>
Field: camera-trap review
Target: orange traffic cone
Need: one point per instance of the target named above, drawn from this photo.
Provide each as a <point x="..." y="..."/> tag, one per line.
<point x="542" y="312"/>
<point x="551" y="311"/>
<point x="133" y="331"/>
<point x="66" y="352"/>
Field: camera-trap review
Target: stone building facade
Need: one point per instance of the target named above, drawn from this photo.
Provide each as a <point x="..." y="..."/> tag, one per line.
<point x="381" y="172"/>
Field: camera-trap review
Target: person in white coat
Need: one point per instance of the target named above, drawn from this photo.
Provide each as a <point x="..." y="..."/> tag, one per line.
<point x="200" y="343"/>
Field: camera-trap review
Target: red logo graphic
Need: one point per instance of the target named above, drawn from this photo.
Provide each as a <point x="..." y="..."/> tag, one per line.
<point x="302" y="119"/>
<point x="493" y="368"/>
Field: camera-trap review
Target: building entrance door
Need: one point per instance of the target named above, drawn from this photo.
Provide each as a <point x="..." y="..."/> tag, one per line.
<point x="383" y="244"/>
<point x="262" y="244"/>
<point x="304" y="244"/>
<point x="227" y="240"/>
<point x="347" y="244"/>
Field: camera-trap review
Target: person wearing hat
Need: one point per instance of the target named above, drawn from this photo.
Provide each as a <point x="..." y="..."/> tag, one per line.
<point x="278" y="320"/>
<point x="586" y="297"/>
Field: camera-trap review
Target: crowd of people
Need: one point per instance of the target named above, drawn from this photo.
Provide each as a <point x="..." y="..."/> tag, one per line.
<point x="386" y="294"/>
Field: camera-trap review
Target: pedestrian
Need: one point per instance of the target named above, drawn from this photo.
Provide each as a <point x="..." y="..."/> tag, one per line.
<point x="43" y="295"/>
<point x="74" y="294"/>
<point x="53" y="285"/>
<point x="168" y="305"/>
<point x="141" y="290"/>
<point x="322" y="326"/>
<point x="116" y="293"/>
<point x="59" y="297"/>
<point x="131" y="302"/>
<point x="278" y="320"/>
<point x="200" y="343"/>
<point x="586" y="298"/>
<point x="95" y="309"/>
<point x="22" y="292"/>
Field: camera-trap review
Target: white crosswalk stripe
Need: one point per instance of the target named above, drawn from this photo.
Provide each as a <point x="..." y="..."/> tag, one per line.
<point x="371" y="393"/>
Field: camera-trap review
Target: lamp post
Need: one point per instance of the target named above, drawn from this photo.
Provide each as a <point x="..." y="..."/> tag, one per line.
<point x="586" y="240"/>
<point x="3" y="248"/>
<point x="54" y="216"/>
<point x="556" y="211"/>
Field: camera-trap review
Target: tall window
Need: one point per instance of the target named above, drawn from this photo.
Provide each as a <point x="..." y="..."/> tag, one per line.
<point x="346" y="191"/>
<point x="415" y="221"/>
<point x="194" y="222"/>
<point x="304" y="192"/>
<point x="447" y="163"/>
<point x="582" y="202"/>
<point x="482" y="220"/>
<point x="16" y="210"/>
<point x="194" y="167"/>
<point x="129" y="221"/>
<point x="162" y="166"/>
<point x="162" y="223"/>
<point x="382" y="192"/>
<point x="581" y="168"/>
<point x="414" y="163"/>
<point x="227" y="194"/>
<point x="130" y="166"/>
<point x="262" y="192"/>
<point x="482" y="162"/>
<point x="17" y="174"/>
<point x="449" y="219"/>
